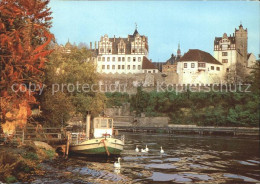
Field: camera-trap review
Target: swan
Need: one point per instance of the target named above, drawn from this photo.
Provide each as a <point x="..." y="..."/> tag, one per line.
<point x="146" y="148"/>
<point x="143" y="150"/>
<point x="117" y="164"/>
<point x="162" y="151"/>
<point x="136" y="149"/>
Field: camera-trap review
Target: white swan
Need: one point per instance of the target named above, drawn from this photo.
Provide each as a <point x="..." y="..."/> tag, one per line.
<point x="136" y="149"/>
<point x="146" y="148"/>
<point x="117" y="164"/>
<point x="162" y="151"/>
<point x="143" y="150"/>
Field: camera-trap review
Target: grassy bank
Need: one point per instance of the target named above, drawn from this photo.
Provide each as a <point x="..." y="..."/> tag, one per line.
<point x="199" y="108"/>
<point x="21" y="163"/>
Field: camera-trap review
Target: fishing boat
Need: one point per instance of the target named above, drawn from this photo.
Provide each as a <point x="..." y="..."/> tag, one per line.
<point x="99" y="138"/>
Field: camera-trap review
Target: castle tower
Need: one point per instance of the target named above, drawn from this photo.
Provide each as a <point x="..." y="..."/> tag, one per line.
<point x="241" y="44"/>
<point x="179" y="51"/>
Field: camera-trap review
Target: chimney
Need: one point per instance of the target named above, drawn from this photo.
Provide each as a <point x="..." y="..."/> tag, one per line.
<point x="95" y="45"/>
<point x="114" y="38"/>
<point x="90" y="45"/>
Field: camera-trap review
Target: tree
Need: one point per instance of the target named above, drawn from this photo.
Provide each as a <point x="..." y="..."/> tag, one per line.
<point x="75" y="77"/>
<point x="24" y="37"/>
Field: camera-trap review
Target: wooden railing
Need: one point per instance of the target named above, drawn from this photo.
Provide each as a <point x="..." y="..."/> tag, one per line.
<point x="36" y="134"/>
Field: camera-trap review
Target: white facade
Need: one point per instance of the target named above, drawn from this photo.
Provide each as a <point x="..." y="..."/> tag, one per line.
<point x="199" y="67"/>
<point x="194" y="72"/>
<point x="226" y="53"/>
<point x="124" y="55"/>
<point x="120" y="64"/>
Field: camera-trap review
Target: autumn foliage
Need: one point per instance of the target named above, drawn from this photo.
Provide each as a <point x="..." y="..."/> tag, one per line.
<point x="24" y="39"/>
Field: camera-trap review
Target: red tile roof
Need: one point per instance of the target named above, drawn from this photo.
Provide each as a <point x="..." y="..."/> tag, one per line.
<point x="147" y="64"/>
<point x="200" y="56"/>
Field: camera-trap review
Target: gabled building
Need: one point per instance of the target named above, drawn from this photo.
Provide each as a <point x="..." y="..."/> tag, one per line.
<point x="232" y="51"/>
<point x="124" y="55"/>
<point x="199" y="67"/>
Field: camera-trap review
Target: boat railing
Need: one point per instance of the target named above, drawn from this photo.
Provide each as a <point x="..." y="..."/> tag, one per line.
<point x="77" y="138"/>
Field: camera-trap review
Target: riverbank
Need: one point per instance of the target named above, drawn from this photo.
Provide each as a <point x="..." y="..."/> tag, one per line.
<point x="190" y="129"/>
<point x="28" y="163"/>
<point x="20" y="163"/>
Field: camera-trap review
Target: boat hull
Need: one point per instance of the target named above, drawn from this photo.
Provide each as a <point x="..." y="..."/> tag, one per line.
<point x="99" y="146"/>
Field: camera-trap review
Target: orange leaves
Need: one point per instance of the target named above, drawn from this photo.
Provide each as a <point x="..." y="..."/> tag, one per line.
<point x="41" y="47"/>
<point x="24" y="37"/>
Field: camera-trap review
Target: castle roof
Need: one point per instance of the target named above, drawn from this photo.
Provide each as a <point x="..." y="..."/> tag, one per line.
<point x="172" y="60"/>
<point x="127" y="41"/>
<point x="147" y="64"/>
<point x="200" y="56"/>
<point x="230" y="38"/>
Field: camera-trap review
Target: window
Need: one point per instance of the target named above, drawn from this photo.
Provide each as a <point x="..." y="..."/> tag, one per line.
<point x="139" y="67"/>
<point x="103" y="58"/>
<point x="141" y="50"/>
<point x="202" y="65"/>
<point x="192" y="65"/>
<point x="113" y="67"/>
<point x="103" y="67"/>
<point x="122" y="50"/>
<point x="101" y="49"/>
<point x="128" y="59"/>
<point x="99" y="58"/>
<point x="153" y="71"/>
<point x="133" y="51"/>
<point x="108" y="67"/>
<point x="224" y="53"/>
<point x="185" y="65"/>
<point x="108" y="59"/>
<point x="134" y="67"/>
<point x="123" y="67"/>
<point x="133" y="58"/>
<point x="119" y="58"/>
<point x="108" y="50"/>
<point x="139" y="59"/>
<point x="119" y="67"/>
<point x="212" y="67"/>
<point x="103" y="123"/>
<point x="113" y="58"/>
<point x="224" y="61"/>
<point x="128" y="67"/>
<point x="227" y="69"/>
<point x="218" y="69"/>
<point x="123" y="58"/>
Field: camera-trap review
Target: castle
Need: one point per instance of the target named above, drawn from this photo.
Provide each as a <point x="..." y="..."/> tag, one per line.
<point x="231" y="57"/>
<point x="129" y="55"/>
<point x="123" y="55"/>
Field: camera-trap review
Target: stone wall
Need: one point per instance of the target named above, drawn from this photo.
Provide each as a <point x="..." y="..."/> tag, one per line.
<point x="123" y="110"/>
<point x="151" y="122"/>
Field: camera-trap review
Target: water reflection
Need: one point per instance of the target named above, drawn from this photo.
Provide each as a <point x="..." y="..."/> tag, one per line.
<point x="188" y="158"/>
<point x="192" y="159"/>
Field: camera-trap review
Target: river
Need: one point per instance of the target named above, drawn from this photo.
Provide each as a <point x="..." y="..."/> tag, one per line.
<point x="187" y="159"/>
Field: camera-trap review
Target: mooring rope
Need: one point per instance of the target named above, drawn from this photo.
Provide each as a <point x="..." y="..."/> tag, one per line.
<point x="103" y="140"/>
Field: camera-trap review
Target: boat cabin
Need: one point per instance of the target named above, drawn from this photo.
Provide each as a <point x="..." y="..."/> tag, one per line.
<point x="102" y="127"/>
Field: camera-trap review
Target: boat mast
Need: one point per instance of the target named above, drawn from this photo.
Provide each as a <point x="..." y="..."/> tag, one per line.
<point x="88" y="126"/>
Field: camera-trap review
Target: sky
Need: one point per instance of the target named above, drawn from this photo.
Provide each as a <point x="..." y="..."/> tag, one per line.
<point x="193" y="24"/>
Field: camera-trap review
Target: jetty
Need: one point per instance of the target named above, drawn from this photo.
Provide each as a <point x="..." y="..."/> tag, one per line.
<point x="192" y="129"/>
